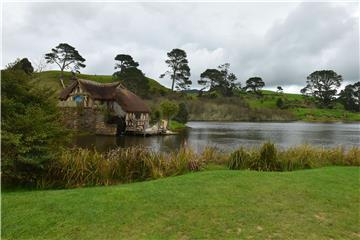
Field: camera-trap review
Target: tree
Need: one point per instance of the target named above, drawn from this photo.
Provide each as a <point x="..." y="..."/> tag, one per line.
<point x="169" y="109"/>
<point x="210" y="78"/>
<point x="32" y="133"/>
<point x="132" y="77"/>
<point x="219" y="79"/>
<point x="66" y="57"/>
<point x="134" y="80"/>
<point x="280" y="103"/>
<point x="179" y="69"/>
<point x="183" y="114"/>
<point x="322" y="85"/>
<point x="23" y="65"/>
<point x="125" y="61"/>
<point x="255" y="84"/>
<point x="350" y="97"/>
<point x="280" y="89"/>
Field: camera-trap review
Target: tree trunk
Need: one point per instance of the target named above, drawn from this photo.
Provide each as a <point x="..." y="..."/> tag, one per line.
<point x="62" y="78"/>
<point x="173" y="81"/>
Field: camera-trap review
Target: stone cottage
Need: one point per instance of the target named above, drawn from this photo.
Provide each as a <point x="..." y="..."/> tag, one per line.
<point x="103" y="108"/>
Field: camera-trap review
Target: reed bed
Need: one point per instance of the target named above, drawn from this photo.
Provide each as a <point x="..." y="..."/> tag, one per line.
<point x="83" y="167"/>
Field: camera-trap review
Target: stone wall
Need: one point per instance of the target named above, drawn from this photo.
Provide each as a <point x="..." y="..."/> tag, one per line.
<point x="87" y="119"/>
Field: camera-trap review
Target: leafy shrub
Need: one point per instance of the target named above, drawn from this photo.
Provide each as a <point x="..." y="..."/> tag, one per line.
<point x="280" y="103"/>
<point x="32" y="132"/>
<point x="182" y="114"/>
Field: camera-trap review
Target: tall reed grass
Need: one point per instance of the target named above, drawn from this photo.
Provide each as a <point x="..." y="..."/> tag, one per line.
<point x="269" y="158"/>
<point x="83" y="167"/>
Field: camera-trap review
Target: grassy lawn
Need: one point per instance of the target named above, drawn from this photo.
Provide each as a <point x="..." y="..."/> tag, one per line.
<point x="317" y="114"/>
<point x="220" y="204"/>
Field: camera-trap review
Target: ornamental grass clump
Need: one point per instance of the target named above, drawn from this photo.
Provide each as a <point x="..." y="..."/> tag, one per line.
<point x="213" y="155"/>
<point x="267" y="160"/>
<point x="240" y="159"/>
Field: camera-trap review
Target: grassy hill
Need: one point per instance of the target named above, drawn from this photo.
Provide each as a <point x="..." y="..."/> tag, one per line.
<point x="220" y="204"/>
<point x="51" y="79"/>
<point x="242" y="107"/>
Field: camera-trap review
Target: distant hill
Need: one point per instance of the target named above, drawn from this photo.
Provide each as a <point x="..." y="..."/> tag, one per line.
<point x="241" y="107"/>
<point x="50" y="79"/>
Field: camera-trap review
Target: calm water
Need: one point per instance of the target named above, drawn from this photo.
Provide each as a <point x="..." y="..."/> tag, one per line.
<point x="230" y="135"/>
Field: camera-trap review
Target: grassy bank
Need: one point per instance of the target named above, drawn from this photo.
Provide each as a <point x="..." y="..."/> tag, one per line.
<point x="309" y="204"/>
<point x="83" y="167"/>
<point x="176" y="126"/>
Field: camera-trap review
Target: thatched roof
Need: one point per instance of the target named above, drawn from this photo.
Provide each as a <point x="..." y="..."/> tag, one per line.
<point x="128" y="101"/>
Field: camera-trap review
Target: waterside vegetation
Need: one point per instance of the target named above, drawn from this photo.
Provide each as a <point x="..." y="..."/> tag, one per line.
<point x="86" y="167"/>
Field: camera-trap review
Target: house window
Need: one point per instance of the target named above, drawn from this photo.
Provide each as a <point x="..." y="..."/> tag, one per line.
<point x="78" y="99"/>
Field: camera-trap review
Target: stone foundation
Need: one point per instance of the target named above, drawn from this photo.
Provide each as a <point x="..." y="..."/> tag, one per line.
<point x="87" y="119"/>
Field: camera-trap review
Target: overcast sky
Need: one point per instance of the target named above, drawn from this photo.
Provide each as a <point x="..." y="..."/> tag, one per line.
<point x="280" y="42"/>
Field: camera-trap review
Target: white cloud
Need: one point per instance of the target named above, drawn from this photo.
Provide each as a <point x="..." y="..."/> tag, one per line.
<point x="281" y="42"/>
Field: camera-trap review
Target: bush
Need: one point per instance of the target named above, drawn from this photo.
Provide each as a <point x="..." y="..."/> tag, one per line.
<point x="32" y="132"/>
<point x="280" y="103"/>
<point x="183" y="114"/>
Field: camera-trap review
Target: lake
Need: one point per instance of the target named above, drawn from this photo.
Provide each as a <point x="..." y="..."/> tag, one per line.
<point x="229" y="135"/>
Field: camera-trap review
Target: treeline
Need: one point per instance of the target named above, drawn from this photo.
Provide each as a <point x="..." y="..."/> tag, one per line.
<point x="321" y="86"/>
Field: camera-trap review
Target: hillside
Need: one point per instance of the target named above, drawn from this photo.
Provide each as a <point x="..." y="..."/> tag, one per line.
<point x="241" y="107"/>
<point x="219" y="204"/>
<point x="51" y="79"/>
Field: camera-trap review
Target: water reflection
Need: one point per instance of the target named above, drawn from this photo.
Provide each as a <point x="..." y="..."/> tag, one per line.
<point x="230" y="135"/>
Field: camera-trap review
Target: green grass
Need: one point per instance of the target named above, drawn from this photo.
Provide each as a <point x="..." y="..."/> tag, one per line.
<point x="51" y="79"/>
<point x="175" y="126"/>
<point x="220" y="204"/>
<point x="317" y="114"/>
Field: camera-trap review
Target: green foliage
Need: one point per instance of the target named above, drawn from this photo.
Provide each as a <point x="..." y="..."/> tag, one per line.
<point x="350" y="97"/>
<point x="31" y="130"/>
<point x="176" y="126"/>
<point x="179" y="69"/>
<point x="125" y="61"/>
<point x="134" y="80"/>
<point x="322" y="85"/>
<point x="169" y="108"/>
<point x="155" y="115"/>
<point x="280" y="103"/>
<point x="254" y="84"/>
<point x="220" y="80"/>
<point x="66" y="57"/>
<point x="182" y="115"/>
<point x="21" y="65"/>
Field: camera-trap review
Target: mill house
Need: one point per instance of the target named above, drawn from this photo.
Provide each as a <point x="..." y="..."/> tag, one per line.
<point x="103" y="108"/>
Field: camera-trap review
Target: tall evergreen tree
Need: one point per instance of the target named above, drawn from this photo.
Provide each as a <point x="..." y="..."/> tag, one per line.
<point x="125" y="61"/>
<point x="129" y="75"/>
<point x="179" y="69"/>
